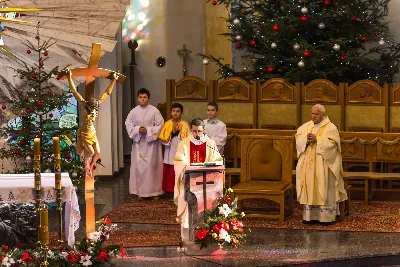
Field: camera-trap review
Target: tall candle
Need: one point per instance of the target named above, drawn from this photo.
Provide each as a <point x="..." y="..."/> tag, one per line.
<point x="56" y="145"/>
<point x="37" y="146"/>
<point x="57" y="162"/>
<point x="44" y="226"/>
<point x="36" y="164"/>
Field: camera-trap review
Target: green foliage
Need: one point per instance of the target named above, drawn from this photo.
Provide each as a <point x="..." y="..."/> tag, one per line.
<point x="356" y="25"/>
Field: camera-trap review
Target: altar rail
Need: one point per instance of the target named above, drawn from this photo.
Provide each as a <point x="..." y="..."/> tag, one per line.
<point x="276" y="104"/>
<point x="359" y="149"/>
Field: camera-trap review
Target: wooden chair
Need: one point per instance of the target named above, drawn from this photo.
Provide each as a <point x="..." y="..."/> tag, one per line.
<point x="266" y="172"/>
<point x="239" y="125"/>
<point x="278" y="127"/>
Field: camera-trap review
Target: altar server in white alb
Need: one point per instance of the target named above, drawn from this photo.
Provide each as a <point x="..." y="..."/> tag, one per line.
<point x="144" y="124"/>
<point x="319" y="173"/>
<point x="196" y="148"/>
<point x="215" y="128"/>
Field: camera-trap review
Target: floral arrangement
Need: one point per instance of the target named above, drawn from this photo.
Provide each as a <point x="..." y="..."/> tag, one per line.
<point x="224" y="226"/>
<point x="87" y="252"/>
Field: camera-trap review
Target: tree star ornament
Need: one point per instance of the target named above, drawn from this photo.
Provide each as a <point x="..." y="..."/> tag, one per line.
<point x="336" y="47"/>
<point x="301" y="64"/>
<point x="274" y="45"/>
<point x="236" y="21"/>
<point x="304" y="10"/>
<point x="205" y="61"/>
<point x="321" y="25"/>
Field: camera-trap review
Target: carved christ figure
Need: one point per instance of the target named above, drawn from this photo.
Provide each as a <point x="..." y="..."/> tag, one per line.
<point x="87" y="138"/>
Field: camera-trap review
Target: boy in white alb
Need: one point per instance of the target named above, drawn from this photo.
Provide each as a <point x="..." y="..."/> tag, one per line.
<point x="215" y="128"/>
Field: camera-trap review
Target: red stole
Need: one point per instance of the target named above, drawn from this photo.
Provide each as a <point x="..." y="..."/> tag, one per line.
<point x="197" y="153"/>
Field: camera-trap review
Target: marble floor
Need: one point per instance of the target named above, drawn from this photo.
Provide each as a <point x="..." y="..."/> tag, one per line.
<point x="265" y="247"/>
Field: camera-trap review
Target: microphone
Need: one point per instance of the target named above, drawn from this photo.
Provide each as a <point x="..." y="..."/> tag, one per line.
<point x="223" y="158"/>
<point x="197" y="138"/>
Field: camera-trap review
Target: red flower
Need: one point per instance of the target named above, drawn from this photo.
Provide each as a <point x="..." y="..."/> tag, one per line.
<point x="5" y="248"/>
<point x="72" y="258"/>
<point x="228" y="200"/>
<point x="215" y="228"/>
<point x="26" y="257"/>
<point x="62" y="248"/>
<point x="223" y="225"/>
<point x="200" y="234"/>
<point x="103" y="256"/>
<point x="106" y="220"/>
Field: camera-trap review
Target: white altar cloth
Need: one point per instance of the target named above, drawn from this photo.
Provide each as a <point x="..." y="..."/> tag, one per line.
<point x="19" y="188"/>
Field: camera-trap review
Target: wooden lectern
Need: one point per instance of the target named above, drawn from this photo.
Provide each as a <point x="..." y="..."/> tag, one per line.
<point x="203" y="185"/>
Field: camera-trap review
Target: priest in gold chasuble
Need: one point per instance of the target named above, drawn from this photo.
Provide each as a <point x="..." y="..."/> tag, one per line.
<point x="196" y="148"/>
<point x="319" y="173"/>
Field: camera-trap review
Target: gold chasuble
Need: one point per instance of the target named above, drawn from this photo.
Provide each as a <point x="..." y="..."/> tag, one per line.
<point x="319" y="173"/>
<point x="188" y="151"/>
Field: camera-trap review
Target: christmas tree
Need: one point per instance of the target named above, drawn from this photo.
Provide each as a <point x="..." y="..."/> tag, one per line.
<point x="42" y="113"/>
<point x="302" y="40"/>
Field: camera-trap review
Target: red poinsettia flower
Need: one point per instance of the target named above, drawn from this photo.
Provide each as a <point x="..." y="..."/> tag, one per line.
<point x="224" y="225"/>
<point x="72" y="258"/>
<point x="103" y="256"/>
<point x="106" y="220"/>
<point x="5" y="248"/>
<point x="200" y="234"/>
<point x="26" y="257"/>
<point x="215" y="228"/>
<point x="1" y="258"/>
<point x="228" y="200"/>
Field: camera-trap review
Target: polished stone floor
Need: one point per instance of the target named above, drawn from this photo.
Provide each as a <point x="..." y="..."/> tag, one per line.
<point x="265" y="247"/>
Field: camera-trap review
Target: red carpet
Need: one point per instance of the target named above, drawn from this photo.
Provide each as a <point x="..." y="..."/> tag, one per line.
<point x="379" y="216"/>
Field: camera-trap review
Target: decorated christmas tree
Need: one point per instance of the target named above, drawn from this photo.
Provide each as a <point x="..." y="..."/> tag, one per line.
<point x="42" y="112"/>
<point x="302" y="40"/>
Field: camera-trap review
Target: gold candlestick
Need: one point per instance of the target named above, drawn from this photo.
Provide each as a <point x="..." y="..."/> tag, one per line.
<point x="44" y="232"/>
<point x="58" y="186"/>
<point x="37" y="186"/>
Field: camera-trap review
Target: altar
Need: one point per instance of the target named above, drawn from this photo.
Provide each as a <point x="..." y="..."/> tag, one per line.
<point x="19" y="188"/>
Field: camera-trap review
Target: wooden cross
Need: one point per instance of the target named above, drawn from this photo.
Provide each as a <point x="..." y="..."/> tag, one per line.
<point x="91" y="72"/>
<point x="184" y="53"/>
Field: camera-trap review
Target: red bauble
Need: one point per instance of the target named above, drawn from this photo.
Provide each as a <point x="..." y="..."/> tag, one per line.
<point x="49" y="92"/>
<point x="353" y="18"/>
<point x="38" y="133"/>
<point x="17" y="152"/>
<point x="30" y="109"/>
<point x="33" y="76"/>
<point x="364" y="38"/>
<point x="65" y="102"/>
<point x="41" y="155"/>
<point x="21" y="142"/>
<point x="252" y="42"/>
<point x="270" y="69"/>
<point x="275" y="27"/>
<point x="304" y="18"/>
<point x="238" y="45"/>
<point x="41" y="63"/>
<point x="46" y="53"/>
<point x="214" y="2"/>
<point x="3" y="107"/>
<point x="342" y="57"/>
<point x="28" y="51"/>
<point x="26" y="99"/>
<point x="51" y="115"/>
<point x="67" y="155"/>
<point x="40" y="103"/>
<point x="327" y="2"/>
<point x="306" y="54"/>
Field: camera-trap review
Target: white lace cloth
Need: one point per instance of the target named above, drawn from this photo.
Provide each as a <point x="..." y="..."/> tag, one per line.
<point x="19" y="188"/>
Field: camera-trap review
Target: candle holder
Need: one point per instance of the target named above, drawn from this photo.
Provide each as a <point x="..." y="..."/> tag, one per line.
<point x="58" y="187"/>
<point x="38" y="183"/>
<point x="44" y="232"/>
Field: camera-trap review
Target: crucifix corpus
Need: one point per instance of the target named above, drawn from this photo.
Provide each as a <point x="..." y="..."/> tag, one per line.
<point x="184" y="53"/>
<point x="87" y="138"/>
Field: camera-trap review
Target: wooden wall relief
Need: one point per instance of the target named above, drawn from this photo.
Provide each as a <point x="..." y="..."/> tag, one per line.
<point x="233" y="89"/>
<point x="321" y="91"/>
<point x="191" y="88"/>
<point x="365" y="92"/>
<point x="396" y="95"/>
<point x="277" y="90"/>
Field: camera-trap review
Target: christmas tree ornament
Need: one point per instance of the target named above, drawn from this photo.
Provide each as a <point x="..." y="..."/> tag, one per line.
<point x="26" y="99"/>
<point x="327" y="2"/>
<point x="49" y="91"/>
<point x="67" y="155"/>
<point x="238" y="37"/>
<point x="40" y="103"/>
<point x="33" y="76"/>
<point x="236" y="21"/>
<point x="301" y="64"/>
<point x="274" y="45"/>
<point x="28" y="159"/>
<point x="74" y="174"/>
<point x="353" y="18"/>
<point x="381" y="42"/>
<point x="30" y="109"/>
<point x="321" y="25"/>
<point x="51" y="115"/>
<point x="304" y="10"/>
<point x="342" y="57"/>
<point x="252" y="42"/>
<point x="46" y="53"/>
<point x="275" y="28"/>
<point x="33" y="90"/>
<point x="214" y="2"/>
<point x="22" y="142"/>
<point x="306" y="53"/>
<point x="238" y="45"/>
<point x="47" y="171"/>
<point x="270" y="69"/>
<point x="336" y="47"/>
<point x="303" y="18"/>
<point x="28" y="51"/>
<point x="364" y="38"/>
<point x="296" y="47"/>
<point x="37" y="132"/>
<point x="41" y="155"/>
<point x="15" y="74"/>
<point x="17" y="152"/>
<point x="41" y="64"/>
<point x="3" y="107"/>
<point x="205" y="61"/>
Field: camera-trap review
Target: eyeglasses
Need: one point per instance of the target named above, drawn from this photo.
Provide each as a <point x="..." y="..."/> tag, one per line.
<point x="197" y="131"/>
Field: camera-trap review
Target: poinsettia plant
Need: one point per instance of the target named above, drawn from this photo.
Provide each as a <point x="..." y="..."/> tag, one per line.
<point x="224" y="226"/>
<point x="87" y="252"/>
